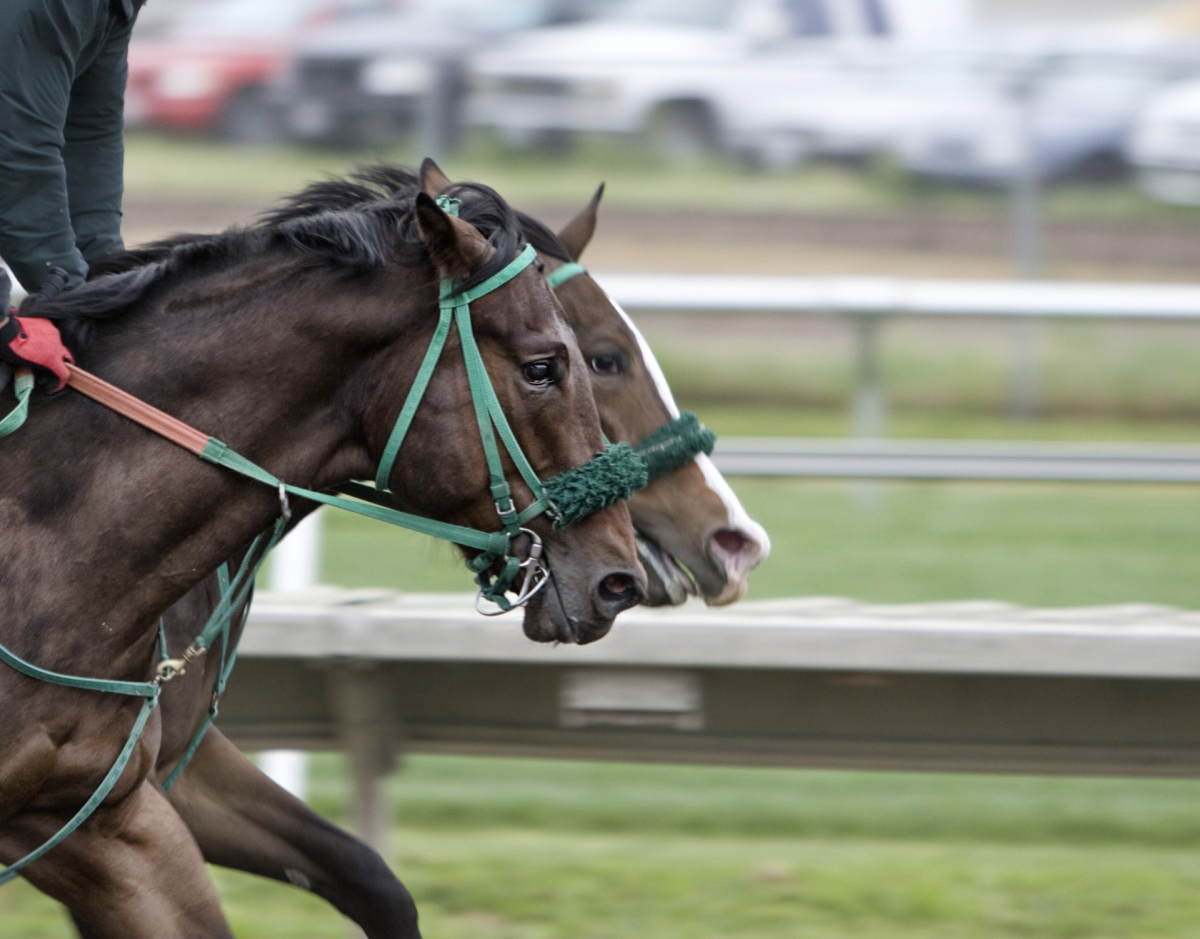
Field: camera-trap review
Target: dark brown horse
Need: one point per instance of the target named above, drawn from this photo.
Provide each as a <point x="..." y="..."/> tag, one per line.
<point x="239" y="817"/>
<point x="294" y="342"/>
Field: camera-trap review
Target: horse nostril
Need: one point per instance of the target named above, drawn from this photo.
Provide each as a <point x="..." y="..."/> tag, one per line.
<point x="731" y="543"/>
<point x="619" y="591"/>
<point x="616" y="586"/>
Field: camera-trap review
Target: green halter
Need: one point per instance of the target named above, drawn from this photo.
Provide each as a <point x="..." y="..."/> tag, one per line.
<point x="612" y="475"/>
<point x="557" y="278"/>
<point x="678" y="441"/>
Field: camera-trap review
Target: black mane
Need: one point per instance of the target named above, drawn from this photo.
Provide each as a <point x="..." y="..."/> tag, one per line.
<point x="369" y="184"/>
<point x="349" y="225"/>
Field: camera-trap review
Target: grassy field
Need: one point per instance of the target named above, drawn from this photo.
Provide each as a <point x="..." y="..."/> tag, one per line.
<point x="1033" y="544"/>
<point x="527" y="849"/>
<point x="1140" y="376"/>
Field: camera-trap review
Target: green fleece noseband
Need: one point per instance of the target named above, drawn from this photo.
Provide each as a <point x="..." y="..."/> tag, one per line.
<point x="610" y="476"/>
<point x="674" y="445"/>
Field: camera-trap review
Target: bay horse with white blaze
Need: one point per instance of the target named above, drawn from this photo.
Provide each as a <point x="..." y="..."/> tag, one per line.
<point x="295" y="343"/>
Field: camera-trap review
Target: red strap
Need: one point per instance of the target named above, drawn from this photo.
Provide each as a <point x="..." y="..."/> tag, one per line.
<point x="39" y="343"/>
<point x="137" y="410"/>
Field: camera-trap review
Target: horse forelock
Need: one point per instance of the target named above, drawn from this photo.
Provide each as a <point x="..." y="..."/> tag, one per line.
<point x="542" y="238"/>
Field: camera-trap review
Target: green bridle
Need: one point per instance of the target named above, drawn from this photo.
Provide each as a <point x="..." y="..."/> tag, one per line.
<point x="610" y="476"/>
<point x="678" y="441"/>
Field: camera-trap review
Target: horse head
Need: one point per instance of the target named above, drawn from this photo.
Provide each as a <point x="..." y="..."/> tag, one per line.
<point x="541" y="383"/>
<point x="693" y="535"/>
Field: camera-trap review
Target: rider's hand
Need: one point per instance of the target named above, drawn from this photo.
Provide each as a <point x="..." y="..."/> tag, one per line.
<point x="30" y="340"/>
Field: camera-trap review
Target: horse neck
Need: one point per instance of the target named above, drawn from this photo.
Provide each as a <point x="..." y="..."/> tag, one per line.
<point x="103" y="525"/>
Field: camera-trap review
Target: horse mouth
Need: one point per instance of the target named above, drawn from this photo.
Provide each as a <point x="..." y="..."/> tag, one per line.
<point x="670" y="582"/>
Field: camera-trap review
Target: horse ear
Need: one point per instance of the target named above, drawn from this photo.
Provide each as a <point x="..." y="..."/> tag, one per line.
<point x="455" y="246"/>
<point x="578" y="232"/>
<point x="433" y="180"/>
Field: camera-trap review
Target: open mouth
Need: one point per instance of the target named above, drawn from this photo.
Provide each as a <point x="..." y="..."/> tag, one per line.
<point x="676" y="582"/>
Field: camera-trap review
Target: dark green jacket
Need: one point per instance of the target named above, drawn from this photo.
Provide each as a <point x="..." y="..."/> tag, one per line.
<point x="62" y="89"/>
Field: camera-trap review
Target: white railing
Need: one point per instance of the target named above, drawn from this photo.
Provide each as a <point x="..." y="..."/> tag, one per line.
<point x="967" y="686"/>
<point x="895" y="296"/>
<point x="870" y="301"/>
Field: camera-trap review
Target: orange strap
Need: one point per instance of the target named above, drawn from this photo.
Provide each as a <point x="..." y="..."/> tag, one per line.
<point x="136" y="410"/>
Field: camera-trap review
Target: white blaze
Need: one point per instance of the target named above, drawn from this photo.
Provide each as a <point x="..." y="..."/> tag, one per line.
<point x="738" y="519"/>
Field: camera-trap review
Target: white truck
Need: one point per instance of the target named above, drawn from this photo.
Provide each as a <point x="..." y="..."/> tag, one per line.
<point x="695" y="75"/>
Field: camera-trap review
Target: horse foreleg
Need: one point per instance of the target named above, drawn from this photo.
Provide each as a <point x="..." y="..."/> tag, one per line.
<point x="241" y="819"/>
<point x="133" y="871"/>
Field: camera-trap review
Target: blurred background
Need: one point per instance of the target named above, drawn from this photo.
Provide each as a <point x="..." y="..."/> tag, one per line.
<point x="1055" y="141"/>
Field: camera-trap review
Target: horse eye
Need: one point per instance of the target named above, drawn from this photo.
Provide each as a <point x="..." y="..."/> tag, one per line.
<point x="605" y="364"/>
<point x="540" y="372"/>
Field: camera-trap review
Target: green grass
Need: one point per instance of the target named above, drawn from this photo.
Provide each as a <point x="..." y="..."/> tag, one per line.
<point x="533" y="849"/>
<point x="1139" y="374"/>
<point x="177" y="165"/>
<point x="1053" y="545"/>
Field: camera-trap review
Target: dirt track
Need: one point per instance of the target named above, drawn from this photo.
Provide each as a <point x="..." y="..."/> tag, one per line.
<point x="681" y="240"/>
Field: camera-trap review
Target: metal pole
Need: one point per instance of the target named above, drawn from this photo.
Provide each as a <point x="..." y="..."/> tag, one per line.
<point x="295" y="567"/>
<point x="438" y="116"/>
<point x="869" y="405"/>
<point x="1026" y="241"/>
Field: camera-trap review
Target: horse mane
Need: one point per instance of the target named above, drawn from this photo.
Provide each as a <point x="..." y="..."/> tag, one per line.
<point x="389" y="181"/>
<point x="349" y="225"/>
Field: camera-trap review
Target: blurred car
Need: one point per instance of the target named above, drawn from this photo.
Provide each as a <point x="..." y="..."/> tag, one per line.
<point x="840" y="106"/>
<point x="1080" y="114"/>
<point x="678" y="72"/>
<point x="208" y="71"/>
<point x="368" y="79"/>
<point x="1164" y="146"/>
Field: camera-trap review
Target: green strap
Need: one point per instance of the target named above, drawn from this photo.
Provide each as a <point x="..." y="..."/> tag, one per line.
<point x="98" y="796"/>
<point x="415" y="394"/>
<point x="228" y="658"/>
<point x="490" y="418"/>
<point x="557" y="278"/>
<point x="500" y="278"/>
<point x="147" y="689"/>
<point x="371" y="506"/>
<point x="16" y="417"/>
<point x="235" y="593"/>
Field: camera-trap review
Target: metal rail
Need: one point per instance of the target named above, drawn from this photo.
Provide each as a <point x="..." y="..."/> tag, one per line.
<point x="958" y="459"/>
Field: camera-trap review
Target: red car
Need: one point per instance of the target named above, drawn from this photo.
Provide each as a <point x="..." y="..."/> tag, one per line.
<point x="211" y="70"/>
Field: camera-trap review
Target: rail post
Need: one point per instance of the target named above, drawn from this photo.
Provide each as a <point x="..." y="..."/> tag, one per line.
<point x="870" y="407"/>
<point x="360" y="699"/>
<point x="295" y="567"/>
